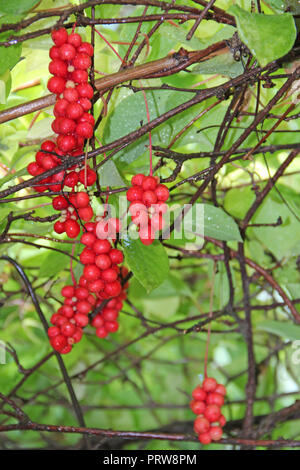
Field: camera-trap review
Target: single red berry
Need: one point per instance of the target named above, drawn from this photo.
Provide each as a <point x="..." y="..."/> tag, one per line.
<point x="81" y="199"/>
<point x="68" y="329"/>
<point x="146" y="235"/>
<point x="116" y="256"/>
<point x="56" y="85"/>
<point x="110" y="314"/>
<point x="157" y="222"/>
<point x="87" y="256"/>
<point x="80" y="76"/>
<point x="77" y="335"/>
<point x="67" y="52"/>
<point x="88" y="239"/>
<point x="48" y="146"/>
<point x="162" y="193"/>
<point x="66" y="143"/>
<point x="197" y="407"/>
<point x="96" y="286"/>
<point x="67" y="311"/>
<point x="70" y="94"/>
<point x="91" y="272"/>
<point x="101" y="332"/>
<point x="90" y="177"/>
<point x="85" y="103"/>
<point x="33" y="168"/>
<point x="58" y="342"/>
<point x="53" y="331"/>
<point x="201" y="425"/>
<point x="215" y="398"/>
<point x="85" y="130"/>
<point x="86" y="117"/>
<point x="66" y="126"/>
<point x="59" y="227"/>
<point x="48" y="162"/>
<point x="59" y="36"/>
<point x="68" y="291"/>
<point x="149" y="198"/>
<point x="216" y="433"/>
<point x="86" y="48"/>
<point x="83" y="282"/>
<point x="81" y="293"/>
<point x="209" y="384"/>
<point x="73" y="110"/>
<point x="54" y="53"/>
<point x="109" y="275"/>
<point x="72" y="228"/>
<point x="85" y="90"/>
<point x="74" y="39"/>
<point x="221" y="389"/>
<point x="113" y="288"/>
<point x="58" y="67"/>
<point x="82" y="61"/>
<point x="222" y="421"/>
<point x="97" y="321"/>
<point x="81" y="319"/>
<point x="135" y="193"/>
<point x="71" y="180"/>
<point x="212" y="413"/>
<point x="205" y="438"/>
<point x="60" y="107"/>
<point x="66" y="349"/>
<point x="149" y="183"/>
<point x="138" y="179"/>
<point x="101" y="246"/>
<point x="103" y="261"/>
<point x="85" y="213"/>
<point x="83" y="307"/>
<point x="111" y="326"/>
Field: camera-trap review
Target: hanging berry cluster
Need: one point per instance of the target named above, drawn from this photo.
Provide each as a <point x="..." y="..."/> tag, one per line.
<point x="207" y="402"/>
<point x="147" y="199"/>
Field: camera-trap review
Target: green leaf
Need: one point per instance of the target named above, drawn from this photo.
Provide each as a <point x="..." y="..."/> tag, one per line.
<point x="17" y="6"/>
<point x="9" y="56"/>
<point x="150" y="264"/>
<point x="268" y="37"/>
<point x="53" y="264"/>
<point x="223" y="64"/>
<point x="109" y="175"/>
<point x="213" y="221"/>
<point x="284" y="330"/>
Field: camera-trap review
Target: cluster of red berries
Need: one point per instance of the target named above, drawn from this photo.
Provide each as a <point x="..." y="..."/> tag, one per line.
<point x="147" y="199"/>
<point x="71" y="59"/>
<point x="207" y="402"/>
<point x="73" y="207"/>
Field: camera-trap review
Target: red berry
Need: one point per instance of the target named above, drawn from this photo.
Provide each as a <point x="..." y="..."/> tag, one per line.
<point x="66" y="126"/>
<point x="86" y="117"/>
<point x="72" y="228"/>
<point x="103" y="261"/>
<point x="58" y="342"/>
<point x="96" y="286"/>
<point x="111" y="326"/>
<point x="85" y="213"/>
<point x="33" y="169"/>
<point x="91" y="176"/>
<point x="101" y="332"/>
<point x="86" y="48"/>
<point x="135" y="193"/>
<point x="87" y="256"/>
<point x="221" y="389"/>
<point x="68" y="329"/>
<point x="56" y="85"/>
<point x="77" y="335"/>
<point x="222" y="421"/>
<point x="59" y="227"/>
<point x="197" y="407"/>
<point x="81" y="293"/>
<point x="88" y="239"/>
<point x="60" y="107"/>
<point x="85" y="130"/>
<point x="66" y="143"/>
<point x="216" y="433"/>
<point x="82" y="199"/>
<point x="83" y="307"/>
<point x="81" y="319"/>
<point x="113" y="288"/>
<point x="146" y="235"/>
<point x="110" y="314"/>
<point x="73" y="110"/>
<point x="149" y="183"/>
<point x="101" y="246"/>
<point x="116" y="256"/>
<point x="68" y="291"/>
<point x="54" y="53"/>
<point x="162" y="193"/>
<point x="157" y="222"/>
<point x="85" y="103"/>
<point x="215" y="399"/>
<point x="209" y="384"/>
<point x="85" y="90"/>
<point x="201" y="425"/>
<point x="80" y="76"/>
<point x="71" y="180"/>
<point x="212" y="413"/>
<point x="205" y="438"/>
<point x="71" y="95"/>
<point x="53" y="331"/>
<point x="81" y="61"/>
<point x="60" y="36"/>
<point x="97" y="321"/>
<point x="67" y="52"/>
<point x="109" y="275"/>
<point x="48" y="146"/>
<point x="58" y="67"/>
<point x="66" y="349"/>
<point x="149" y="198"/>
<point x="91" y="272"/>
<point x="138" y="179"/>
<point x="74" y="39"/>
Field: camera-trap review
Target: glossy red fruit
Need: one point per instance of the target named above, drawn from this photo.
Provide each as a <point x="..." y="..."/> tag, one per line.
<point x="116" y="256"/>
<point x="48" y="146"/>
<point x="68" y="329"/>
<point x="91" y="272"/>
<point x="111" y="326"/>
<point x="103" y="261"/>
<point x="221" y="389"/>
<point x="138" y="179"/>
<point x="58" y="342"/>
<point x="81" y="319"/>
<point x="66" y="143"/>
<point x="83" y="307"/>
<point x="87" y="256"/>
<point x="109" y="275"/>
<point x="97" y="321"/>
<point x="72" y="228"/>
<point x="56" y="85"/>
<point x="81" y="199"/>
<point x="48" y="162"/>
<point x="59" y="36"/>
<point x="71" y="180"/>
<point x="86" y="117"/>
<point x="113" y="288"/>
<point x="71" y="95"/>
<point x="86" y="48"/>
<point x="58" y="67"/>
<point x="135" y="193"/>
<point x="33" y="169"/>
<point x="101" y="246"/>
<point x="82" y="61"/>
<point x="157" y="222"/>
<point x="77" y="335"/>
<point x="80" y="76"/>
<point x="53" y="331"/>
<point x="90" y="178"/>
<point x="162" y="193"/>
<point x="85" y="130"/>
<point x="222" y="421"/>
<point x="68" y="291"/>
<point x="60" y="107"/>
<point x="110" y="314"/>
<point x="149" y="198"/>
<point x="67" y="52"/>
<point x="66" y="126"/>
<point x="85" y="103"/>
<point x="88" y="239"/>
<point x="86" y="213"/>
<point x="66" y="349"/>
<point x="197" y="407"/>
<point x="215" y="399"/>
<point x="101" y="332"/>
<point x="81" y="293"/>
<point x="209" y="384"/>
<point x="73" y="110"/>
<point x="205" y="438"/>
<point x="96" y="286"/>
<point x="75" y="40"/>
<point x="201" y="425"/>
<point x="85" y="90"/>
<point x="216" y="433"/>
<point x="59" y="227"/>
<point x="149" y="183"/>
<point x="212" y="413"/>
<point x="54" y="53"/>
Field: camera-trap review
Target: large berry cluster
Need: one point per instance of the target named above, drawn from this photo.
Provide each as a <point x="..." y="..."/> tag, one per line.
<point x="73" y="207"/>
<point x="207" y="402"/>
<point x="147" y="199"/>
<point x="71" y="59"/>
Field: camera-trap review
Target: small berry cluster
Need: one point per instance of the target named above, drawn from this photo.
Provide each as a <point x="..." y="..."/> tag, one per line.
<point x="71" y="59"/>
<point x="73" y="207"/>
<point x="147" y="199"/>
<point x="105" y="321"/>
<point x="207" y="402"/>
